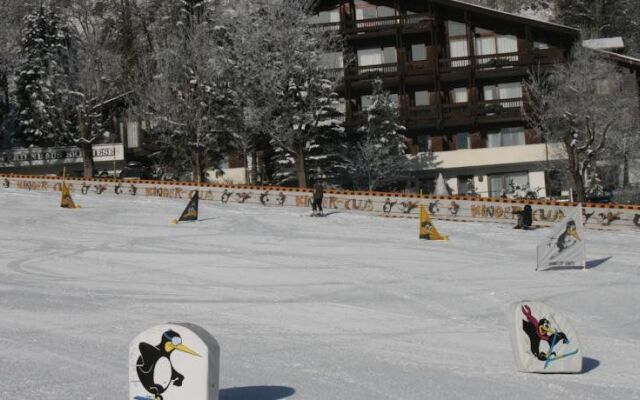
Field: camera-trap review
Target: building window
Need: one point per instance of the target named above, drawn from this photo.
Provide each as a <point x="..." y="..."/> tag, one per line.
<point x="366" y="10"/>
<point x="367" y="100"/>
<point x="488" y="42"/>
<point x="424" y="143"/>
<point x="418" y="52"/>
<point x="540" y="45"/>
<point x="377" y="56"/>
<point x="511" y="90"/>
<point x="501" y="184"/>
<point x="466" y="185"/>
<point x="462" y="141"/>
<point x="332" y="60"/>
<point x="459" y="95"/>
<point x="326" y="17"/>
<point x="421" y="98"/>
<point x="458" y="44"/>
<point x="506" y="137"/>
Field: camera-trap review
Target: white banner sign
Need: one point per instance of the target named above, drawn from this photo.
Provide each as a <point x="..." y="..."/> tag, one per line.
<point x="543" y="341"/>
<point x="43" y="156"/>
<point x="565" y="247"/>
<point x="174" y="361"/>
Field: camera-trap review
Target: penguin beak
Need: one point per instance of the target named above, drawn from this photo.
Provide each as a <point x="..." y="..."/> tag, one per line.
<point x="187" y="350"/>
<point x="574" y="233"/>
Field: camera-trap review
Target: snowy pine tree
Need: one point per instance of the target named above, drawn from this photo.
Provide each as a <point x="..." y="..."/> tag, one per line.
<point x="189" y="100"/>
<point x="379" y="158"/>
<point x="42" y="79"/>
<point x="305" y="103"/>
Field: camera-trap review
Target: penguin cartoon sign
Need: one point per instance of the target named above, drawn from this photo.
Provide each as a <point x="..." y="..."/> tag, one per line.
<point x="174" y="362"/>
<point x="543" y="341"/>
<point x="565" y="247"/>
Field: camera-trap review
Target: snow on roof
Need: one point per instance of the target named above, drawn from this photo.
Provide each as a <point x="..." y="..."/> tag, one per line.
<point x="487" y="10"/>
<point x="610" y="43"/>
<point x="635" y="62"/>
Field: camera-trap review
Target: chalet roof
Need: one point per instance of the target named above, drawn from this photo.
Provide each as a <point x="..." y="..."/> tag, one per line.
<point x="610" y="43"/>
<point x="621" y="59"/>
<point x="505" y="15"/>
<point x="480" y="10"/>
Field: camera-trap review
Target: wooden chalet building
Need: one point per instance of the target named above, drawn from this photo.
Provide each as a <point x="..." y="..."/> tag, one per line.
<point x="456" y="71"/>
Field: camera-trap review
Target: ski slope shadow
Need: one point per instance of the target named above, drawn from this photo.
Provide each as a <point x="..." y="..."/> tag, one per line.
<point x="589" y="364"/>
<point x="590" y="264"/>
<point x="256" y="393"/>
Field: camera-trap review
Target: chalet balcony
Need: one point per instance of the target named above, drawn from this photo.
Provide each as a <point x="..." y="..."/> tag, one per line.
<point x="426" y="67"/>
<point x="459" y="111"/>
<point x="411" y="23"/>
<point x="335" y="73"/>
<point x="422" y="114"/>
<point x="500" y="110"/>
<point x="373" y="71"/>
<point x="327" y="27"/>
<point x="548" y="56"/>
<point x="485" y="62"/>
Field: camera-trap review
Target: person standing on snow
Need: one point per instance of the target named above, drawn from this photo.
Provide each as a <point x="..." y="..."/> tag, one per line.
<point x="318" y="194"/>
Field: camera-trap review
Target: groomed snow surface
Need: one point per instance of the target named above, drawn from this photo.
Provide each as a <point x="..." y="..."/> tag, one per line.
<point x="346" y="307"/>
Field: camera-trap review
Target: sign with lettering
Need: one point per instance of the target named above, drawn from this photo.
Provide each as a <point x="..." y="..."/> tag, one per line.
<point x="43" y="156"/>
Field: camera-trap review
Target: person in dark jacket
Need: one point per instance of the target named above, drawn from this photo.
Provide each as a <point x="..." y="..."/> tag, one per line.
<point x="318" y="194"/>
<point x="525" y="218"/>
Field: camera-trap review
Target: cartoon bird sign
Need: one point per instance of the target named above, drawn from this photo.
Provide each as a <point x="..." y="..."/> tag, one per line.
<point x="190" y="212"/>
<point x="174" y="362"/>
<point x="427" y="230"/>
<point x="543" y="341"/>
<point x="565" y="246"/>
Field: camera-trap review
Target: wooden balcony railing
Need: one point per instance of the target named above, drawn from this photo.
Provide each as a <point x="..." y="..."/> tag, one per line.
<point x="493" y="61"/>
<point x="420" y="21"/>
<point x="382" y="69"/>
<point x="458" y="110"/>
<point x="486" y="111"/>
<point x="501" y="108"/>
<point x="420" y="67"/>
<point x="485" y="62"/>
<point x="335" y="72"/>
<point x="548" y="56"/>
<point x="423" y="113"/>
<point x="326" y="27"/>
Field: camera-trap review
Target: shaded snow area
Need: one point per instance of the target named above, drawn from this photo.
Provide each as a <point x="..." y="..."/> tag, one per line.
<point x="346" y="307"/>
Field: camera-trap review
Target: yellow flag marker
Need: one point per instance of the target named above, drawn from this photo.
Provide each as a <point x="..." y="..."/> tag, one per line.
<point x="65" y="196"/>
<point x="427" y="230"/>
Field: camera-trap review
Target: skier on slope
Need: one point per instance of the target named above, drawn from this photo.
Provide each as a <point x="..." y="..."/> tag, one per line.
<point x="318" y="194"/>
<point x="525" y="218"/>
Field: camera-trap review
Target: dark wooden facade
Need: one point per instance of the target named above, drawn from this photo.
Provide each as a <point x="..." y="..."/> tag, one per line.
<point x="425" y="23"/>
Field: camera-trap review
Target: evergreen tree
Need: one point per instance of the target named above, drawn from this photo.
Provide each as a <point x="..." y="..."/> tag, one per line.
<point x="42" y="79"/>
<point x="190" y="102"/>
<point x="304" y="103"/>
<point x="379" y="158"/>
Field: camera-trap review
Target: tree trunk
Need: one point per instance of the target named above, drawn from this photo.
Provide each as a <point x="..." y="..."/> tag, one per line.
<point x="85" y="144"/>
<point x="196" y="164"/>
<point x="254" y="170"/>
<point x="245" y="162"/>
<point x="300" y="167"/>
<point x="578" y="183"/>
<point x="625" y="170"/>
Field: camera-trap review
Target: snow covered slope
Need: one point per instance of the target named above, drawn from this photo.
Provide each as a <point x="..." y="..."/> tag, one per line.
<point x="344" y="307"/>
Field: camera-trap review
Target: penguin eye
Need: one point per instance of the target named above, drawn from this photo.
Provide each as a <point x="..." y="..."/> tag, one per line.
<point x="176" y="341"/>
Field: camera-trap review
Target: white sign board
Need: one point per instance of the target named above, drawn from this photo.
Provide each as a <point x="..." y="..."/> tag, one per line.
<point x="43" y="156"/>
<point x="543" y="341"/>
<point x="174" y="361"/>
<point x="565" y="247"/>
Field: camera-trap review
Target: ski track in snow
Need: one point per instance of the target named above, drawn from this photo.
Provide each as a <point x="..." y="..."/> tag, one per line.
<point x="346" y="307"/>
